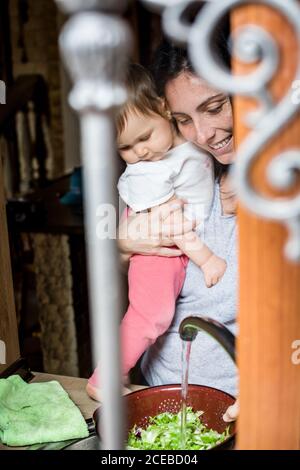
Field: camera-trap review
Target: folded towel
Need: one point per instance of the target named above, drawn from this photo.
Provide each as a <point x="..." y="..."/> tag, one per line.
<point x="36" y="413"/>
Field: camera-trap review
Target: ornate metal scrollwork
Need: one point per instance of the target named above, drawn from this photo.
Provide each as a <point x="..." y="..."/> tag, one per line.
<point x="251" y="44"/>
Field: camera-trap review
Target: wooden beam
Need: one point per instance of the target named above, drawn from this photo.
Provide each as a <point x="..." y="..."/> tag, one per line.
<point x="6" y="66"/>
<point x="8" y="321"/>
<point x="269" y="315"/>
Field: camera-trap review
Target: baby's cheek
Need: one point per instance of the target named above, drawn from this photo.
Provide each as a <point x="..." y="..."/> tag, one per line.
<point x="163" y="143"/>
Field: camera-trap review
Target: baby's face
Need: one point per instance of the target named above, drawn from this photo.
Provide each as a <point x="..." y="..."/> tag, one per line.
<point x="145" y="138"/>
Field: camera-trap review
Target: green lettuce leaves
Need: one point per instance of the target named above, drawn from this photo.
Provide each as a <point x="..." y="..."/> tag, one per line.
<point x="164" y="433"/>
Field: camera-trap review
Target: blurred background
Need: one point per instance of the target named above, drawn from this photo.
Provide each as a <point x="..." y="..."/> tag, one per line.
<point x="39" y="149"/>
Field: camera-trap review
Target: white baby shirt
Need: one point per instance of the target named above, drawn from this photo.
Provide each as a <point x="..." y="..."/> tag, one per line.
<point x="185" y="171"/>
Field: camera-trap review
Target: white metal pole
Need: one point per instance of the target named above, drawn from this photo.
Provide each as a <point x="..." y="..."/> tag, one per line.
<point x="95" y="46"/>
<point x="105" y="304"/>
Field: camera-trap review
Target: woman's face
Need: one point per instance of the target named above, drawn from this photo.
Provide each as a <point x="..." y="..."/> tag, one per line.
<point x="203" y="115"/>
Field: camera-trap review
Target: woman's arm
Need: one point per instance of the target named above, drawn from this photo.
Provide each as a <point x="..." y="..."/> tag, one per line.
<point x="152" y="233"/>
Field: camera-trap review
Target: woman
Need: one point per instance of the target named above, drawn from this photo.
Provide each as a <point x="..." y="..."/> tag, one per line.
<point x="203" y="116"/>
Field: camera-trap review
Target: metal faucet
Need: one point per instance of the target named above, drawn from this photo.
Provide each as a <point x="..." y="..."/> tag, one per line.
<point x="190" y="327"/>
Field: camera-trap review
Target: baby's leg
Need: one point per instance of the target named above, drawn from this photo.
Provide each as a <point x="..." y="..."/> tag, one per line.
<point x="154" y="285"/>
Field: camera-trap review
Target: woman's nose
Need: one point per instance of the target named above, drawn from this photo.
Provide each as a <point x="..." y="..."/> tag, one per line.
<point x="204" y="134"/>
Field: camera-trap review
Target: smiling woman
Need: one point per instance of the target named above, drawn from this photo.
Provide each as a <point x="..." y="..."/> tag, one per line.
<point x="206" y="121"/>
<point x="203" y="115"/>
<point x="160" y="163"/>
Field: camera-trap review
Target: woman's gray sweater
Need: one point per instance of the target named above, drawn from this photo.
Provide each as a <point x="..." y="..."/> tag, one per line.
<point x="210" y="365"/>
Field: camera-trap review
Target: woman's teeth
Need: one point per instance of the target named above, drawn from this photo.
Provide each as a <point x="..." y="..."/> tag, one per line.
<point x="221" y="144"/>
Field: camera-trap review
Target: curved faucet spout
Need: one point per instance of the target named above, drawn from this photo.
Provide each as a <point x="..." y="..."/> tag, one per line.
<point x="190" y="326"/>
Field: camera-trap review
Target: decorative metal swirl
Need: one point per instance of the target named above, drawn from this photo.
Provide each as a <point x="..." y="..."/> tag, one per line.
<point x="250" y="44"/>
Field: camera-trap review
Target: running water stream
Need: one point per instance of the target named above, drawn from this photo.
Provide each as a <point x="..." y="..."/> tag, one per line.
<point x="186" y="352"/>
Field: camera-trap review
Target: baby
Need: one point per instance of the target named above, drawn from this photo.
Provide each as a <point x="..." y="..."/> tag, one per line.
<point x="160" y="166"/>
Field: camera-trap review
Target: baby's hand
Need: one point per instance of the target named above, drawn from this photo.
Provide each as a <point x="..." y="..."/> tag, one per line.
<point x="213" y="270"/>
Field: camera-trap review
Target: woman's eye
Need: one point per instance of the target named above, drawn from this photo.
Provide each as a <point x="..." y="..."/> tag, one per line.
<point x="183" y="122"/>
<point x="215" y="110"/>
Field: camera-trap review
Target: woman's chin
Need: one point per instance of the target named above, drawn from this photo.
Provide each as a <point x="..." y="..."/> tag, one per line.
<point x="227" y="158"/>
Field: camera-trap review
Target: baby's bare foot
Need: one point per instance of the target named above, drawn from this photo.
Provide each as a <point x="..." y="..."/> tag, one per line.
<point x="93" y="392"/>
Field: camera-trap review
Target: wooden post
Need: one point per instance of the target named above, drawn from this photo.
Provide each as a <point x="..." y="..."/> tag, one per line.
<point x="269" y="315"/>
<point x="8" y="322"/>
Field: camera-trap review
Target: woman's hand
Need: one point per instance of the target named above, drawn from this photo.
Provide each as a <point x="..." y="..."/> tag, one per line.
<point x="152" y="233"/>
<point x="232" y="412"/>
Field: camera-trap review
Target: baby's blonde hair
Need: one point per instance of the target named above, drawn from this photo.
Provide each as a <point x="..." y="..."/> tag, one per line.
<point x="142" y="97"/>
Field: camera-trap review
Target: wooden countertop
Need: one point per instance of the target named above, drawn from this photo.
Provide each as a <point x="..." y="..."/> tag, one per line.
<point x="75" y="387"/>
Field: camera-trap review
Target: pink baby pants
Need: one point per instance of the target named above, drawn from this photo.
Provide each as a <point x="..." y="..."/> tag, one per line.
<point x="154" y="283"/>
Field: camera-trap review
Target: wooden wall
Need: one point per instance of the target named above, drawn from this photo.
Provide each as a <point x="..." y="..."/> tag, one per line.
<point x="269" y="314"/>
<point x="8" y="322"/>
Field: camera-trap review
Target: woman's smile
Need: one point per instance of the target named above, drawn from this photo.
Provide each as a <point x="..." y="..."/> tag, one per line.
<point x="203" y="115"/>
<point x="222" y="147"/>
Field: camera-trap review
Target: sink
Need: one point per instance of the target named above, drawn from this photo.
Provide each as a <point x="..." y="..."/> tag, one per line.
<point x="89" y="443"/>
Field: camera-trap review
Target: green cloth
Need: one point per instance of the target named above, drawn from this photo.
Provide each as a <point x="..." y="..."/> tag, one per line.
<point x="37" y="413"/>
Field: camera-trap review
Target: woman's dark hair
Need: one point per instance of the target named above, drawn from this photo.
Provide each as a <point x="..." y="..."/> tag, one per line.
<point x="170" y="60"/>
